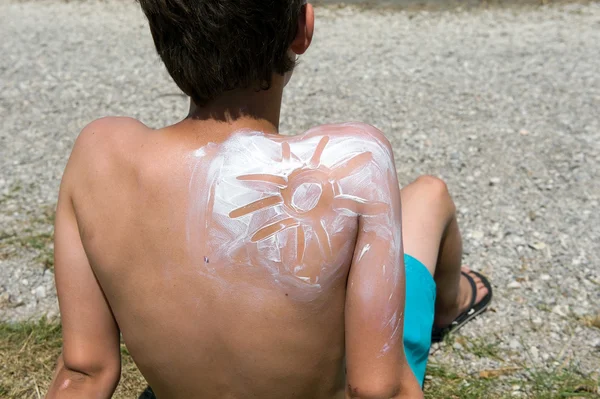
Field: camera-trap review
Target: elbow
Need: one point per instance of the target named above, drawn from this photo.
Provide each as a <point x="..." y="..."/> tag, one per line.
<point x="105" y="371"/>
<point x="373" y="391"/>
<point x="99" y="371"/>
<point x="92" y="363"/>
<point x="379" y="389"/>
<point x="85" y="379"/>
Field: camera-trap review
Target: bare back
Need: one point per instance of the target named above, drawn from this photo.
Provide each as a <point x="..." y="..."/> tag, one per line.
<point x="225" y="256"/>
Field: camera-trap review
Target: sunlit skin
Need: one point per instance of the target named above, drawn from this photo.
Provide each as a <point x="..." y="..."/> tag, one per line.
<point x="202" y="320"/>
<point x="300" y="193"/>
<point x="293" y="204"/>
<point x="166" y="299"/>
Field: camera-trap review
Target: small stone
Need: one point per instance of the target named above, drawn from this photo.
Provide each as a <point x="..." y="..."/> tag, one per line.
<point x="478" y="235"/>
<point x="581" y="311"/>
<point x="518" y="240"/>
<point x="535" y="353"/>
<point x="545" y="277"/>
<point x="16" y="302"/>
<point x="52" y="314"/>
<point x="537" y="245"/>
<point x="514" y="284"/>
<point x="4" y="299"/>
<point x="558" y="310"/>
<point x="25" y="281"/>
<point x="494" y="181"/>
<point x="514" y="344"/>
<point x="40" y="292"/>
<point x="523" y="132"/>
<point x="457" y="346"/>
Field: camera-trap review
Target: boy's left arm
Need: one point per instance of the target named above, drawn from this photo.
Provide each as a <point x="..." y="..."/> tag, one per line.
<point x="90" y="363"/>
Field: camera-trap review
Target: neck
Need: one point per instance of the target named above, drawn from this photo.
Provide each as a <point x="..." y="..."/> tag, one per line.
<point x="257" y="110"/>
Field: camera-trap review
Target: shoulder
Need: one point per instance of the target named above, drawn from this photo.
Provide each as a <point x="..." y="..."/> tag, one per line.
<point x="349" y="138"/>
<point x="101" y="145"/>
<point x="108" y="135"/>
<point x="352" y="130"/>
<point x="105" y="132"/>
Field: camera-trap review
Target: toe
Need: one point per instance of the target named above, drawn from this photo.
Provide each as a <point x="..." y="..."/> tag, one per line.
<point x="466" y="291"/>
<point x="482" y="290"/>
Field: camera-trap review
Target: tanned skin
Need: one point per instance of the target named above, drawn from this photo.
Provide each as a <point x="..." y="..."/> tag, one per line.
<point x="122" y="267"/>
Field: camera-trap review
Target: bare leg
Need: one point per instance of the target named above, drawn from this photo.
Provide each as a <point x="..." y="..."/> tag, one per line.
<point x="430" y="233"/>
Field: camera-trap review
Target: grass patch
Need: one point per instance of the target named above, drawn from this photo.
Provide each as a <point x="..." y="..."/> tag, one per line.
<point x="29" y="352"/>
<point x="569" y="382"/>
<point x="564" y="383"/>
<point x="13" y="190"/>
<point x="591" y="320"/>
<point x="443" y="382"/>
<point x="42" y="243"/>
<point x="481" y="347"/>
<point x="543" y="307"/>
<point x="39" y="241"/>
<point x="38" y="237"/>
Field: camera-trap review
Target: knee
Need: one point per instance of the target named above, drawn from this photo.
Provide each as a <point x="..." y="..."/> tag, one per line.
<point x="435" y="190"/>
<point x="433" y="185"/>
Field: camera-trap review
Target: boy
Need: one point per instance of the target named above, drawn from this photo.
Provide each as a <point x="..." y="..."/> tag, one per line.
<point x="237" y="262"/>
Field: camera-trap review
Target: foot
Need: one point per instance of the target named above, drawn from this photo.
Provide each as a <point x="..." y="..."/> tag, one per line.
<point x="473" y="298"/>
<point x="465" y="293"/>
<point x="444" y="317"/>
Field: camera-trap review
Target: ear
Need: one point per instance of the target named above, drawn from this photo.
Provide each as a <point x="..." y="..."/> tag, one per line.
<point x="306" y="27"/>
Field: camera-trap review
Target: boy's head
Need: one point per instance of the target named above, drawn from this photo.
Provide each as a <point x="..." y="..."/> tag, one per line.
<point x="213" y="46"/>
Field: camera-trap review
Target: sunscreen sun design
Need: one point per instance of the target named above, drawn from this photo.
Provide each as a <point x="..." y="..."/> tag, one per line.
<point x="304" y="193"/>
<point x="286" y="210"/>
<point x="281" y="204"/>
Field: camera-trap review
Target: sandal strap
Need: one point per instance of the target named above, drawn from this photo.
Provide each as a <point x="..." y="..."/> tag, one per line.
<point x="473" y="289"/>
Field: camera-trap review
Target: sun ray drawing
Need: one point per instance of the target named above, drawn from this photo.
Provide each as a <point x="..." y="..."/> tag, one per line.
<point x="304" y="194"/>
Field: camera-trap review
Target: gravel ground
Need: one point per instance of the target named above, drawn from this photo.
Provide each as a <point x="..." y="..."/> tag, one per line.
<point x="502" y="103"/>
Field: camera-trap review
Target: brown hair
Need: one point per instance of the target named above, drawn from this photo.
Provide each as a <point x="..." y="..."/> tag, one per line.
<point x="213" y="46"/>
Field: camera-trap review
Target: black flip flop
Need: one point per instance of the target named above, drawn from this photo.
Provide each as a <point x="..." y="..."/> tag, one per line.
<point x="147" y="394"/>
<point x="438" y="334"/>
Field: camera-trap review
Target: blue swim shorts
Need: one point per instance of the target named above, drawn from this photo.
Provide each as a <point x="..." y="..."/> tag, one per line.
<point x="418" y="315"/>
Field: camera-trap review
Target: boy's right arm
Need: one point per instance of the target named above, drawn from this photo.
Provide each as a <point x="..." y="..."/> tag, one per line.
<point x="375" y="361"/>
<point x="90" y="363"/>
